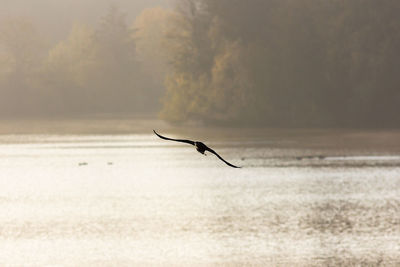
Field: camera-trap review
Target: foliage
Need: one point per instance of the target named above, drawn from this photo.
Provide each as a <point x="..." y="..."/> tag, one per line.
<point x="150" y="28"/>
<point x="285" y="63"/>
<point x="94" y="70"/>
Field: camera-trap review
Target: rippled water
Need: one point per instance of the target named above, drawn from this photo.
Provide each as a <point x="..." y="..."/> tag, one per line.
<point x="128" y="200"/>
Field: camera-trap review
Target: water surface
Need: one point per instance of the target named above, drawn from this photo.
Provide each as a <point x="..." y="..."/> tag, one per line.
<point x="302" y="198"/>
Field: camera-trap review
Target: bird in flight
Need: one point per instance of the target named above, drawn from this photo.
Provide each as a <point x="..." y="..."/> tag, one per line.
<point x="200" y="147"/>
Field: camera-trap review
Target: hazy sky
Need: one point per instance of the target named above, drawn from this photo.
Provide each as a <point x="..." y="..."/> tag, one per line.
<point x="55" y="17"/>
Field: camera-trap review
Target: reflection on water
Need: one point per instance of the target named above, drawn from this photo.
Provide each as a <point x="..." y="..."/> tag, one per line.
<point x="139" y="200"/>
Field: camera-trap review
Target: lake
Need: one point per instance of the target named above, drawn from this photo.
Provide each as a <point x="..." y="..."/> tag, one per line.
<point x="113" y="195"/>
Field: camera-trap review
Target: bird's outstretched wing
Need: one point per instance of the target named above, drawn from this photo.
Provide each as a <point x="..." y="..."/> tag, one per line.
<point x="216" y="154"/>
<point x="177" y="140"/>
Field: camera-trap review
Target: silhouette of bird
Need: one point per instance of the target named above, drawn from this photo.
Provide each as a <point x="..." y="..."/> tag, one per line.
<point x="200" y="147"/>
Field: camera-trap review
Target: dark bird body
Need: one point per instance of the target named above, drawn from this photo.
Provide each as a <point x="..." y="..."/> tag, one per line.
<point x="200" y="147"/>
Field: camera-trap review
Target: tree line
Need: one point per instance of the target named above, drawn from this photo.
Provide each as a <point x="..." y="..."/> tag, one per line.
<point x="330" y="63"/>
<point x="278" y="63"/>
<point x="94" y="70"/>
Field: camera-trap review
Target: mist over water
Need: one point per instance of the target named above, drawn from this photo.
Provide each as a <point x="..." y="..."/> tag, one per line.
<point x="134" y="199"/>
<point x="85" y="182"/>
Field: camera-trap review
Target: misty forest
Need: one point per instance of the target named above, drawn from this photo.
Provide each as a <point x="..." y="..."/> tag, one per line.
<point x="275" y="63"/>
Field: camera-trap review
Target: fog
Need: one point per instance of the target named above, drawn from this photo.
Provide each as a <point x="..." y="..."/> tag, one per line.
<point x="74" y="58"/>
<point x="273" y="63"/>
<point x="54" y="18"/>
<point x="303" y="95"/>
